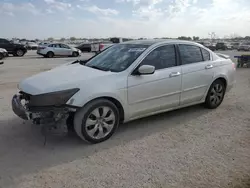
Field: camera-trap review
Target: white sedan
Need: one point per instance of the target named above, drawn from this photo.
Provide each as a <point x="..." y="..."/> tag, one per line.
<point x="127" y="81"/>
<point x="57" y="49"/>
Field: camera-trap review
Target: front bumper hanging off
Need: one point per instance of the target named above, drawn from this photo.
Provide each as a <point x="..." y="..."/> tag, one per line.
<point x="40" y="115"/>
<point x="19" y="109"/>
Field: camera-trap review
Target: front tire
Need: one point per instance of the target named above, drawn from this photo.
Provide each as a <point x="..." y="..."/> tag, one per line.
<point x="50" y="54"/>
<point x="1" y="56"/>
<point x="75" y="54"/>
<point x="215" y="94"/>
<point x="97" y="121"/>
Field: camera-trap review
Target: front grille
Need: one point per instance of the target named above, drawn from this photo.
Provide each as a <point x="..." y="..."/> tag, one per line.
<point x="25" y="96"/>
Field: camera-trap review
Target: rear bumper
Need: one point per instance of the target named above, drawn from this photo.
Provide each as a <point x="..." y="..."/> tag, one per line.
<point x="230" y="86"/>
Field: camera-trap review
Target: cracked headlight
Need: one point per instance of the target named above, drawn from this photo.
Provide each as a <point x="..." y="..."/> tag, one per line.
<point x="57" y="98"/>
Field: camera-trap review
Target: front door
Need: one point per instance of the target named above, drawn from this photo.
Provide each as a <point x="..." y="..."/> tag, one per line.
<point x="197" y="73"/>
<point x="65" y="50"/>
<point x="161" y="90"/>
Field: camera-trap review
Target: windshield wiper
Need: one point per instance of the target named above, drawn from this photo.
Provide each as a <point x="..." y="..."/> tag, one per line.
<point x="99" y="68"/>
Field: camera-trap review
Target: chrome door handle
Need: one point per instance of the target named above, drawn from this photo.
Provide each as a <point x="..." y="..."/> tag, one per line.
<point x="209" y="66"/>
<point x="174" y="74"/>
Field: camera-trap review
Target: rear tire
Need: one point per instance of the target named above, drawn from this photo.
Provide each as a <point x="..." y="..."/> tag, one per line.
<point x="19" y="53"/>
<point x="215" y="94"/>
<point x="50" y="54"/>
<point x="97" y="121"/>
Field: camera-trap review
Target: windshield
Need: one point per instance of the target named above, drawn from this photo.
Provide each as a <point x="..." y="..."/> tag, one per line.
<point x="117" y="58"/>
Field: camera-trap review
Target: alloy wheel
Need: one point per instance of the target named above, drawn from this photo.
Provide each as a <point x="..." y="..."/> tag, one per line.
<point x="19" y="53"/>
<point x="216" y="94"/>
<point x="100" y="122"/>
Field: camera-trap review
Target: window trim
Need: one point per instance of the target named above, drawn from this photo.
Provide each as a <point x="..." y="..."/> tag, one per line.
<point x="191" y="63"/>
<point x="66" y="46"/>
<point x="203" y="55"/>
<point x="177" y="60"/>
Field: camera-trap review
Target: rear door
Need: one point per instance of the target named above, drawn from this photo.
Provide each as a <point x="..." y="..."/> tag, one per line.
<point x="197" y="72"/>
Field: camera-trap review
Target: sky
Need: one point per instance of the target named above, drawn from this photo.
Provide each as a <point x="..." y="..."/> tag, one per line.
<point x="123" y="18"/>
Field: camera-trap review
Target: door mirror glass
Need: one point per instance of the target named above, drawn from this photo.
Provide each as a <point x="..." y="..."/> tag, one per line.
<point x="146" y="69"/>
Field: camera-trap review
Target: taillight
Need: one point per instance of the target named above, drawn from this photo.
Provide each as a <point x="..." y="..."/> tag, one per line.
<point x="233" y="64"/>
<point x="101" y="46"/>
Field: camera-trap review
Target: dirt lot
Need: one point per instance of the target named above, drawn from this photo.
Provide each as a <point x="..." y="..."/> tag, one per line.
<point x="192" y="147"/>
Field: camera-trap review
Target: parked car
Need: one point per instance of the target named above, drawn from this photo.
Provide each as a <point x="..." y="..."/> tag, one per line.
<point x="100" y="46"/>
<point x="127" y="81"/>
<point x="85" y="47"/>
<point x="235" y="45"/>
<point x="12" y="48"/>
<point x="31" y="46"/>
<point x="57" y="49"/>
<point x="208" y="45"/>
<point x="3" y="53"/>
<point x="244" y="47"/>
<point x="229" y="46"/>
<point x="221" y="46"/>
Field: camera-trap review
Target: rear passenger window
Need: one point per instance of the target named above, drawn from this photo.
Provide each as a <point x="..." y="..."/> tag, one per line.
<point x="161" y="58"/>
<point x="190" y="54"/>
<point x="206" y="54"/>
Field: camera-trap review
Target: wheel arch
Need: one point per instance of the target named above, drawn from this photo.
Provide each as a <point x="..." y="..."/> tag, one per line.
<point x="222" y="78"/>
<point x="114" y="100"/>
<point x="219" y="77"/>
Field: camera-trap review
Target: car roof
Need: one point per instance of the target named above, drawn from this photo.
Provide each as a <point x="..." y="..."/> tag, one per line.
<point x="158" y="41"/>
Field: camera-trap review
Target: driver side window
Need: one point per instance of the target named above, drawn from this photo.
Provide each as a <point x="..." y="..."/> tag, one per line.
<point x="161" y="57"/>
<point x="64" y="46"/>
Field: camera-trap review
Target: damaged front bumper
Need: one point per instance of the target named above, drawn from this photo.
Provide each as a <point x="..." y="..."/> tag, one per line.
<point x="40" y="114"/>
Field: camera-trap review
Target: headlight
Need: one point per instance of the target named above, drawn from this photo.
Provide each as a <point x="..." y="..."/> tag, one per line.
<point x="52" y="99"/>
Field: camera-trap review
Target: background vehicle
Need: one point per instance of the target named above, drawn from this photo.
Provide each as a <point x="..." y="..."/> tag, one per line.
<point x="208" y="45"/>
<point x="244" y="47"/>
<point x="100" y="46"/>
<point x="229" y="46"/>
<point x="58" y="49"/>
<point x="85" y="47"/>
<point x="235" y="45"/>
<point x="31" y="45"/>
<point x="14" y="49"/>
<point x="3" y="53"/>
<point x="221" y="46"/>
<point x="125" y="82"/>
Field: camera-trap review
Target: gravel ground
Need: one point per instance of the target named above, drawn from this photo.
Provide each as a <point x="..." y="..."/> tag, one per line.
<point x="191" y="147"/>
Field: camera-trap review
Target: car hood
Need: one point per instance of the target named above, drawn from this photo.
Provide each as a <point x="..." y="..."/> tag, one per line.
<point x="61" y="78"/>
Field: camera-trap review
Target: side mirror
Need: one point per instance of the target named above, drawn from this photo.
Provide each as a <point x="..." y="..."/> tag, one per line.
<point x="146" y="69"/>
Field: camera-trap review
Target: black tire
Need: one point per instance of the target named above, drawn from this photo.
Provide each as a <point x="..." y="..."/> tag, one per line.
<point x="75" y="54"/>
<point x="1" y="56"/>
<point x="19" y="53"/>
<point x="82" y="115"/>
<point x="215" y="94"/>
<point x="50" y="54"/>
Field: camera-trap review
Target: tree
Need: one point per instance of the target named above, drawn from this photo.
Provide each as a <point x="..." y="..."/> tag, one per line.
<point x="196" y="38"/>
<point x="184" y="38"/>
<point x="50" y="39"/>
<point x="72" y="38"/>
